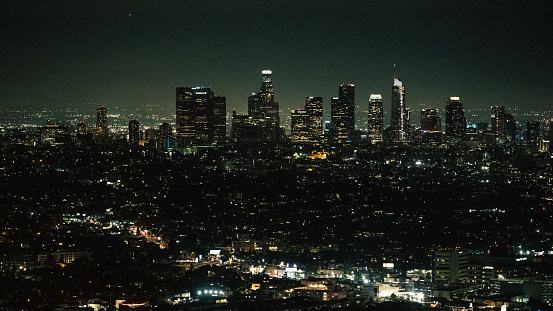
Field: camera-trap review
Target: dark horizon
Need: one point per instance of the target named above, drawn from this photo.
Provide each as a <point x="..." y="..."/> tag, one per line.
<point x="128" y="53"/>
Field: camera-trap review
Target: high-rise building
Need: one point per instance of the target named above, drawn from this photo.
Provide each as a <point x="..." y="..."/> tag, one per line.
<point x="430" y="121"/>
<point x="134" y="132"/>
<point x="375" y="120"/>
<point x="510" y="129"/>
<point x="430" y="125"/>
<point x="400" y="117"/>
<point x="342" y="112"/>
<point x="219" y="119"/>
<point x="498" y="122"/>
<point x="455" y="120"/>
<point x="300" y="126"/>
<point x="201" y="116"/>
<point x="102" y="129"/>
<point x="166" y="140"/>
<point x="314" y="108"/>
<point x="449" y="266"/>
<point x="263" y="109"/>
<point x="533" y="132"/>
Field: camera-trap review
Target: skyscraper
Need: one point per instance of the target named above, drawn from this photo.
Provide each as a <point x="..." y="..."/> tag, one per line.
<point x="165" y="136"/>
<point x="300" y="126"/>
<point x="314" y="108"/>
<point x="400" y="117"/>
<point x="510" y="129"/>
<point x="201" y="116"/>
<point x="102" y="129"/>
<point x="263" y="109"/>
<point x="498" y="122"/>
<point x="134" y="132"/>
<point x="455" y="121"/>
<point x="375" y="120"/>
<point x="430" y="120"/>
<point x="342" y="112"/>
<point x="430" y="125"/>
<point x="219" y="119"/>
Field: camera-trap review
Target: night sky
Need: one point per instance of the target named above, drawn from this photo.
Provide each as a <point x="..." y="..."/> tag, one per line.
<point x="80" y="54"/>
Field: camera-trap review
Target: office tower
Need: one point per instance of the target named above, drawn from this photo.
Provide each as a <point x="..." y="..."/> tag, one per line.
<point x="102" y="130"/>
<point x="300" y="126"/>
<point x="134" y="132"/>
<point x="342" y="110"/>
<point x="430" y="121"/>
<point x="510" y="129"/>
<point x="375" y="120"/>
<point x="455" y="121"/>
<point x="449" y="266"/>
<point x="533" y="132"/>
<point x="263" y="109"/>
<point x="400" y="117"/>
<point x="430" y="125"/>
<point x="314" y="108"/>
<point x="498" y="121"/>
<point x="165" y="137"/>
<point x="200" y="116"/>
<point x="220" y="119"/>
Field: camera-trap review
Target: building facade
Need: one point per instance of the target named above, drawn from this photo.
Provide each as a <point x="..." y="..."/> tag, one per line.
<point x="400" y="115"/>
<point x="455" y="120"/>
<point x="102" y="129"/>
<point x="375" y="119"/>
<point x="342" y="112"/>
<point x="134" y="132"/>
<point x="201" y="116"/>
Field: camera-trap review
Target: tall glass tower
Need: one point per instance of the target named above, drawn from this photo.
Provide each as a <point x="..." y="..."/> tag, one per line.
<point x="342" y="111"/>
<point x="400" y="116"/>
<point x="375" y="120"/>
<point x="455" y="121"/>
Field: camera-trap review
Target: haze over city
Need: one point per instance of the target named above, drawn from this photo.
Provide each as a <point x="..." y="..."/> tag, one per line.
<point x="130" y="53"/>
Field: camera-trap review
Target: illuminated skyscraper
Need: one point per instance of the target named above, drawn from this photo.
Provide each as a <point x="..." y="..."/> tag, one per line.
<point x="510" y="129"/>
<point x="314" y="108"/>
<point x="430" y="121"/>
<point x="498" y="121"/>
<point x="455" y="121"/>
<point x="219" y="119"/>
<point x="102" y="129"/>
<point x="300" y="126"/>
<point x="430" y="125"/>
<point x="400" y="117"/>
<point x="134" y="132"/>
<point x="342" y="112"/>
<point x="201" y="116"/>
<point x="375" y="120"/>
<point x="263" y="109"/>
<point x="165" y="136"/>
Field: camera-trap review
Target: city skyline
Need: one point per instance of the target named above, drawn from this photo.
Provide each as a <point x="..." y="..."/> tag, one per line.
<point x="76" y="55"/>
